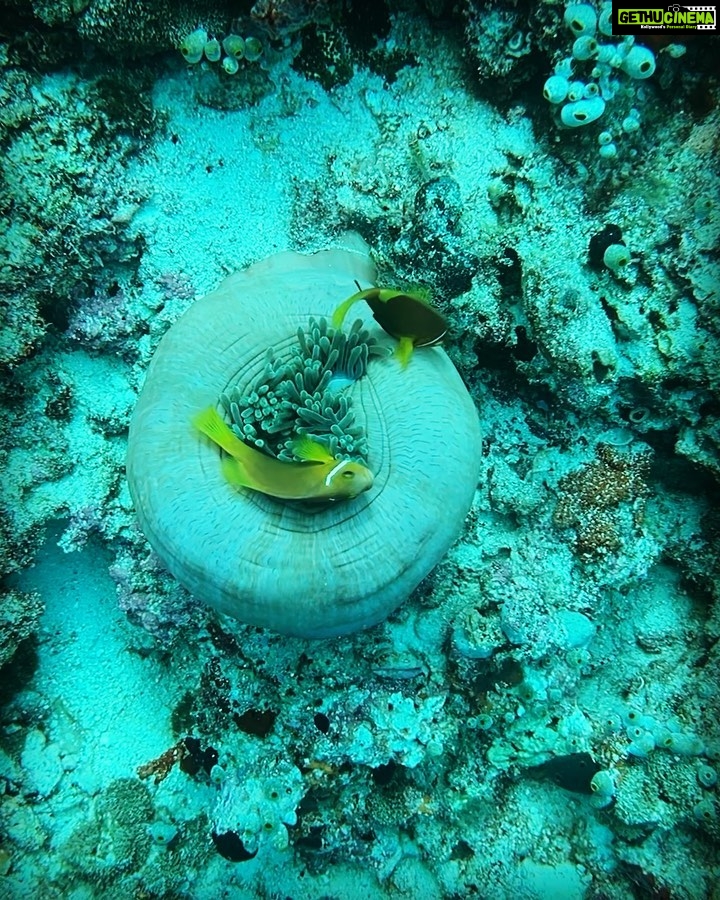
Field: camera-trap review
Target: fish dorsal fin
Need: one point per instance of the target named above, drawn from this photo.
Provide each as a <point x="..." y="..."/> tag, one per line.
<point x="308" y="450"/>
<point x="338" y="317"/>
<point x="212" y="425"/>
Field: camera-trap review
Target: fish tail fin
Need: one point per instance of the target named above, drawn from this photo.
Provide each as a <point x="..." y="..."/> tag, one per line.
<point x="210" y="423"/>
<point x="403" y="351"/>
<point x="339" y="315"/>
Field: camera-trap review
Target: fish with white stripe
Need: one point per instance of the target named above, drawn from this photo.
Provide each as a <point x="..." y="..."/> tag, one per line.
<point x="318" y="477"/>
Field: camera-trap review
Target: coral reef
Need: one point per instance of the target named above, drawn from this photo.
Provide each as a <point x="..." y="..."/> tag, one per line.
<point x="500" y="40"/>
<point x="74" y="207"/>
<point x="591" y="498"/>
<point x="20" y="617"/>
<point x="540" y="717"/>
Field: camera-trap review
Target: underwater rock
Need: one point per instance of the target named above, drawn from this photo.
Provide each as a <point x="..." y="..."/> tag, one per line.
<point x="230" y="845"/>
<point x="20" y="618"/>
<point x="438" y="208"/>
<point x="306" y="570"/>
<point x="433" y="250"/>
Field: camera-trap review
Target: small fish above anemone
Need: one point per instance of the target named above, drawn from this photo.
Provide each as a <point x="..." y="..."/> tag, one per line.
<point x="318" y="477"/>
<point x="404" y="315"/>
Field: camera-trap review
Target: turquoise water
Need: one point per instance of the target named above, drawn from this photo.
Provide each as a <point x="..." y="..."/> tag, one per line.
<point x="532" y="711"/>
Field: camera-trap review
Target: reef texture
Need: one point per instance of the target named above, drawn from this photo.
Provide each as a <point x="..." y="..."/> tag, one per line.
<point x="540" y="718"/>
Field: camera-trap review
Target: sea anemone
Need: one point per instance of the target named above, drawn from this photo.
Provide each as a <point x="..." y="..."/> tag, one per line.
<point x="298" y="568"/>
<point x="306" y="394"/>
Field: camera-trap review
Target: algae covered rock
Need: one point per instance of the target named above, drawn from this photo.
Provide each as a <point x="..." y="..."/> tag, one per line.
<point x="19" y="618"/>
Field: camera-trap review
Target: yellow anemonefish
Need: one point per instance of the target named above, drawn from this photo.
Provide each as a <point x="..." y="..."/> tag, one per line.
<point x="319" y="477"/>
<point x="405" y="315"/>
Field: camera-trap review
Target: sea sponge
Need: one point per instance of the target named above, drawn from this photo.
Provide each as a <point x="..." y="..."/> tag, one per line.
<point x="300" y="569"/>
<point x="639" y="62"/>
<point x="581" y="18"/>
<point x="193" y="46"/>
<point x="582" y="112"/>
<point x="234" y="46"/>
<point x="556" y="88"/>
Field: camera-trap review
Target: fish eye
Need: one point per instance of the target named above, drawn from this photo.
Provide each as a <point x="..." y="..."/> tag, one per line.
<point x="347" y="474"/>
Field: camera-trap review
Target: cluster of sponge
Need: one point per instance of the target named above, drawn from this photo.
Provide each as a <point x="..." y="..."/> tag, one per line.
<point x="596" y="71"/>
<point x="199" y="45"/>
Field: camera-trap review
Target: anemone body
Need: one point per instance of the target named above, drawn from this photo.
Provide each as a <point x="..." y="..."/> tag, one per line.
<point x="304" y="570"/>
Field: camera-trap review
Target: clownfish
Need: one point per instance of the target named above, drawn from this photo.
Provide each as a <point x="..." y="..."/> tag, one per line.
<point x="319" y="477"/>
<point x="406" y="316"/>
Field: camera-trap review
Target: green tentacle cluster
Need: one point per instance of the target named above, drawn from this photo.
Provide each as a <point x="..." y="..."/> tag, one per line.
<point x="305" y="395"/>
